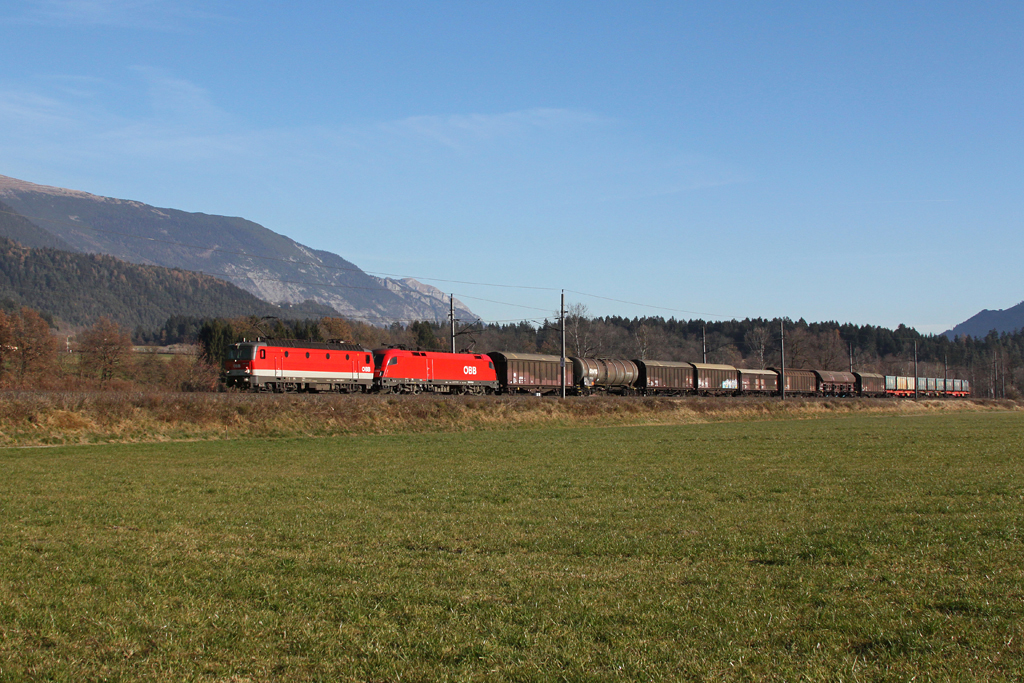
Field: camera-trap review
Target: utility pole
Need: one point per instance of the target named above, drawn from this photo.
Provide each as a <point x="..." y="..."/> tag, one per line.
<point x="917" y="380"/>
<point x="851" y="356"/>
<point x="451" y="317"/>
<point x="563" y="343"/>
<point x="782" y="342"/>
<point x="704" y="342"/>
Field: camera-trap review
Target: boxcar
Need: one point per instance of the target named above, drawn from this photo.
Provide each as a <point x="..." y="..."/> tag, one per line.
<point x="665" y="378"/>
<point x="293" y="365"/>
<point x="613" y="375"/>
<point x="716" y="379"/>
<point x="758" y="381"/>
<point x="803" y="382"/>
<point x="870" y="384"/>
<point x="402" y="371"/>
<point x="530" y="372"/>
<point x="832" y="383"/>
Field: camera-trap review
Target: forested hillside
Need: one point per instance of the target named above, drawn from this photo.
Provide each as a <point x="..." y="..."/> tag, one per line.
<point x="267" y="264"/>
<point x="78" y="289"/>
<point x="20" y="229"/>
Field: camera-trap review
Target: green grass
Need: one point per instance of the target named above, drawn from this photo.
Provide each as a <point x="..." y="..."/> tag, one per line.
<point x="861" y="548"/>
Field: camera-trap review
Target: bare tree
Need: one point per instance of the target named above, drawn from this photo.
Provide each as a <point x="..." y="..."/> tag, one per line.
<point x="758" y="341"/>
<point x="579" y="330"/>
<point x="827" y="351"/>
<point x="798" y="342"/>
<point x="642" y="341"/>
<point x="35" y="348"/>
<point x="104" y="347"/>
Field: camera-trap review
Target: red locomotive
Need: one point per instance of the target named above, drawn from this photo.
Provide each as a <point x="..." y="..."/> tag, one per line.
<point x="411" y="372"/>
<point x="291" y="365"/>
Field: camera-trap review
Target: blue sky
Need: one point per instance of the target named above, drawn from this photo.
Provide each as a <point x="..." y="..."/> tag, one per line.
<point x="859" y="162"/>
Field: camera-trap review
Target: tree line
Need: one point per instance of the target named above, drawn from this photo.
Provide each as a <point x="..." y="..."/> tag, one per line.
<point x="30" y="354"/>
<point x="994" y="364"/>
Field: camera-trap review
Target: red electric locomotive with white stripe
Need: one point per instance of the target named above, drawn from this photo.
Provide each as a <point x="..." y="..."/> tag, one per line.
<point x="291" y="365"/>
<point x="410" y="372"/>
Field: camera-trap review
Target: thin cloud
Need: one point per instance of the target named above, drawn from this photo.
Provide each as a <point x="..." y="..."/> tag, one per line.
<point x="158" y="15"/>
<point x="462" y="130"/>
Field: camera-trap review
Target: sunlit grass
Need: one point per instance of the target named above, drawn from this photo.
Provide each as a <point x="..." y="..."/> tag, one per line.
<point x="860" y="548"/>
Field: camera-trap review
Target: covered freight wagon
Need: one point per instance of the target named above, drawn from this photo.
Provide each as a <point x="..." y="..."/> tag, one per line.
<point x="716" y="379"/>
<point x="870" y="384"/>
<point x="833" y="383"/>
<point x="758" y="381"/>
<point x="665" y="377"/>
<point x="530" y="372"/>
<point x="800" y="381"/>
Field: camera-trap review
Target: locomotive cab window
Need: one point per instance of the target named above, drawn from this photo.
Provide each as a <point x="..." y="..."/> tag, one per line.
<point x="393" y="361"/>
<point x="241" y="352"/>
<point x="263" y="353"/>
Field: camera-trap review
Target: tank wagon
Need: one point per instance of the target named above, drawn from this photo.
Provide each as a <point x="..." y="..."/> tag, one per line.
<point x="609" y="375"/>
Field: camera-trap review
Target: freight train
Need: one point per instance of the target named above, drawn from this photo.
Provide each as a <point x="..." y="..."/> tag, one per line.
<point x="334" y="366"/>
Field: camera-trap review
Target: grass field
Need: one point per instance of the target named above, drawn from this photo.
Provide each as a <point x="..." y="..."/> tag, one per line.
<point x="847" y="548"/>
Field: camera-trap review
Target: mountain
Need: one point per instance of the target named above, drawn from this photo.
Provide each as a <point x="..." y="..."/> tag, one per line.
<point x="271" y="266"/>
<point x="1009" y="320"/>
<point x="20" y="229"/>
<point x="80" y="288"/>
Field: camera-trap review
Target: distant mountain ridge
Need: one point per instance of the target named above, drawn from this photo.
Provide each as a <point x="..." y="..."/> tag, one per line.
<point x="78" y="289"/>
<point x="271" y="266"/>
<point x="1008" y="320"/>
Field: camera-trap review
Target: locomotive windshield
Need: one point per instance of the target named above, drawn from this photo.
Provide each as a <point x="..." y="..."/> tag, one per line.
<point x="242" y="352"/>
